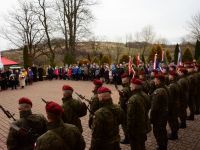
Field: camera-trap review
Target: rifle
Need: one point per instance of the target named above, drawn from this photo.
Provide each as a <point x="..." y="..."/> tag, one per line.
<point x="44" y="101"/>
<point x="22" y="131"/>
<point x="8" y="114"/>
<point x="83" y="97"/>
<point x="87" y="100"/>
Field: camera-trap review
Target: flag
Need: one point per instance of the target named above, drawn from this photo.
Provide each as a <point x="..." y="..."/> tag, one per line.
<point x="163" y="54"/>
<point x="1" y="64"/>
<point x="137" y="59"/>
<point x="155" y="60"/>
<point x="130" y="63"/>
<point x="0" y="57"/>
<point x="179" y="61"/>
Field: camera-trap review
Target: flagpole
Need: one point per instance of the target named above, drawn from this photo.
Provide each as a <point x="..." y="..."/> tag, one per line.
<point x="154" y="64"/>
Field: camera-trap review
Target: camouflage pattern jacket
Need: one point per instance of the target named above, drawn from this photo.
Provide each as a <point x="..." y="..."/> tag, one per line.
<point x="73" y="110"/>
<point x="61" y="136"/>
<point x="18" y="140"/>
<point x="105" y="127"/>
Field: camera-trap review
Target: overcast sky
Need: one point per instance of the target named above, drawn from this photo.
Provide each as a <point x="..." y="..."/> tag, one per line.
<point x="117" y="18"/>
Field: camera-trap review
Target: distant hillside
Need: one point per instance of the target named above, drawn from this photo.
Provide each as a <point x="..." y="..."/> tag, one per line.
<point x="113" y="50"/>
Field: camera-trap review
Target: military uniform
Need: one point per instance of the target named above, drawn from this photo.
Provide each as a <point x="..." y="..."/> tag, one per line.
<point x="94" y="102"/>
<point x="197" y="87"/>
<point x="159" y="116"/>
<point x="105" y="128"/>
<point x="94" y="106"/>
<point x="61" y="136"/>
<point x="18" y="140"/>
<point x="191" y="100"/>
<point x="125" y="94"/>
<point x="173" y="108"/>
<point x="137" y="119"/>
<point x="73" y="110"/>
<point x="184" y="96"/>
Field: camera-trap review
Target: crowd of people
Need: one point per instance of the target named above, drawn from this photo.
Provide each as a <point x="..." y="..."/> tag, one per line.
<point x="164" y="93"/>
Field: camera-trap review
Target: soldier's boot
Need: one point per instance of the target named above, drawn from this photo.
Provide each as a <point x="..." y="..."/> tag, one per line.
<point x="173" y="136"/>
<point x="182" y="125"/>
<point x="125" y="140"/>
<point x="191" y="117"/>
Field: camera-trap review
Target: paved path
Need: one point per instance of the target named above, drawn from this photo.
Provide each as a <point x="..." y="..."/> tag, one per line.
<point x="189" y="138"/>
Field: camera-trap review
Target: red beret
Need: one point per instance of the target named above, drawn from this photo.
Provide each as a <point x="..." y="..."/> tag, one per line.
<point x="54" y="108"/>
<point x="172" y="66"/>
<point x="67" y="87"/>
<point x="124" y="75"/>
<point x="25" y="100"/>
<point x="183" y="70"/>
<point x="155" y="71"/>
<point x="136" y="81"/>
<point x="180" y="66"/>
<point x="160" y="76"/>
<point x="190" y="67"/>
<point x="173" y="73"/>
<point x="141" y="73"/>
<point x="103" y="90"/>
<point x="97" y="82"/>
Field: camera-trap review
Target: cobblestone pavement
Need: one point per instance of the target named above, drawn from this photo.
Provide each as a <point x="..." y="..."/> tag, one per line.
<point x="189" y="138"/>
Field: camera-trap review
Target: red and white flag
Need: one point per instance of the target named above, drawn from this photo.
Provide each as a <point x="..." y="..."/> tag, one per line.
<point x="130" y="63"/>
<point x="163" y="53"/>
<point x="137" y="59"/>
<point x="155" y="59"/>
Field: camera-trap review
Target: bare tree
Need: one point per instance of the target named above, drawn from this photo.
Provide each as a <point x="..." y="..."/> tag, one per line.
<point x="22" y="28"/>
<point x="148" y="34"/>
<point x="43" y="10"/>
<point x="194" y="26"/>
<point x="75" y="16"/>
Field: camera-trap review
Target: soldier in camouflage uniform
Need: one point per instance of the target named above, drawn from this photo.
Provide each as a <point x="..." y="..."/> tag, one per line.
<point x="145" y="82"/>
<point x="184" y="90"/>
<point x="23" y="139"/>
<point x="124" y="95"/>
<point x="105" y="127"/>
<point x="159" y="112"/>
<point x="60" y="136"/>
<point x="94" y="102"/>
<point x="197" y="87"/>
<point x="173" y="106"/>
<point x="137" y="116"/>
<point x="151" y="82"/>
<point x="191" y="100"/>
<point x="73" y="109"/>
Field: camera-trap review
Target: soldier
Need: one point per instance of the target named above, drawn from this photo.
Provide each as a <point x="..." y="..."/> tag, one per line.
<point x="24" y="132"/>
<point x="183" y="84"/>
<point x="159" y="112"/>
<point x="173" y="106"/>
<point x="137" y="116"/>
<point x="73" y="109"/>
<point x="94" y="104"/>
<point x="105" y="127"/>
<point x="191" y="100"/>
<point x="60" y="136"/>
<point x="151" y="82"/>
<point x="125" y="94"/>
<point x="197" y="87"/>
<point x="145" y="82"/>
